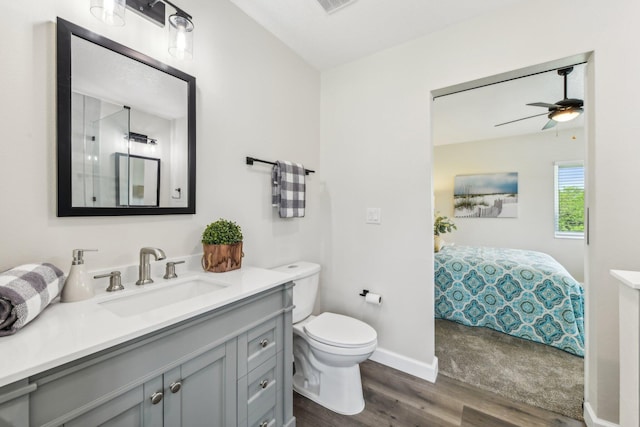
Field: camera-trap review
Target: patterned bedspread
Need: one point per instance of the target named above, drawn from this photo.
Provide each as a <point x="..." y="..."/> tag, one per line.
<point x="522" y="293"/>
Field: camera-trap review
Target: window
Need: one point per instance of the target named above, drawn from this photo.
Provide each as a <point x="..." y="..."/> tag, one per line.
<point x="569" y="199"/>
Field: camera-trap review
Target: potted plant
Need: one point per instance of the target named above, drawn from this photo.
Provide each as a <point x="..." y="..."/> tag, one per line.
<point x="222" y="246"/>
<point x="441" y="225"/>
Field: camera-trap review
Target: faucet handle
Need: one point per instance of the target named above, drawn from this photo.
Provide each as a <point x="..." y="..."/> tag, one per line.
<point x="115" y="281"/>
<point x="170" y="272"/>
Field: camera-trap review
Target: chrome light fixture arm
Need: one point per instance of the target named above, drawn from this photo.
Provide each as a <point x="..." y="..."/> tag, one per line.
<point x="178" y="10"/>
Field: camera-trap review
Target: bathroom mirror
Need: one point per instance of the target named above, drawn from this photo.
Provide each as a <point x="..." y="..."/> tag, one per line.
<point x="126" y="130"/>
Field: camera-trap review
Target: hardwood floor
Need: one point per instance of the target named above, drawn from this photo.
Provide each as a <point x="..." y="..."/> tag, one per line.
<point x="394" y="398"/>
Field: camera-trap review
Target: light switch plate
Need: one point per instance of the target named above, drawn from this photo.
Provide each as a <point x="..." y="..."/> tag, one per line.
<point x="373" y="216"/>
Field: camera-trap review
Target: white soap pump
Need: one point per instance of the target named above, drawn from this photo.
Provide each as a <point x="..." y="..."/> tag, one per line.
<point x="78" y="285"/>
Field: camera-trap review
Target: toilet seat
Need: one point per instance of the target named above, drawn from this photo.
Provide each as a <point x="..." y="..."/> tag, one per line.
<point x="340" y="331"/>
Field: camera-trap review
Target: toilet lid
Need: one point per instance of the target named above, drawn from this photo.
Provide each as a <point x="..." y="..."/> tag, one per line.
<point x="341" y="331"/>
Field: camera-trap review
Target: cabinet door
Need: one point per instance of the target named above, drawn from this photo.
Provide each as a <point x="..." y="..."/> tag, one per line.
<point x="201" y="392"/>
<point x="14" y="404"/>
<point x="134" y="408"/>
<point x="124" y="410"/>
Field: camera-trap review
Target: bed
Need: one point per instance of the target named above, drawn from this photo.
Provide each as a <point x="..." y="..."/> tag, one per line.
<point x="522" y="293"/>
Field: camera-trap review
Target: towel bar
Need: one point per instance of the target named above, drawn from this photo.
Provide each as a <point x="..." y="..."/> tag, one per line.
<point x="250" y="161"/>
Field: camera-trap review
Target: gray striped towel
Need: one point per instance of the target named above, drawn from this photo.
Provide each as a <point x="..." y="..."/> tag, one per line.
<point x="24" y="292"/>
<point x="288" y="189"/>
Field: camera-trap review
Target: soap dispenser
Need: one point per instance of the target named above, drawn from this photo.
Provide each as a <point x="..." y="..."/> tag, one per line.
<point x="78" y="285"/>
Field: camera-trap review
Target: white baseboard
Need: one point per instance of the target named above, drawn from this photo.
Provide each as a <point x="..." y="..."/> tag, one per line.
<point x="406" y="364"/>
<point x="591" y="420"/>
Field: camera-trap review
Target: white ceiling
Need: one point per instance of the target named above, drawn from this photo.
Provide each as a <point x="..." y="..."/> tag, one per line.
<point x="364" y="27"/>
<point x="360" y="28"/>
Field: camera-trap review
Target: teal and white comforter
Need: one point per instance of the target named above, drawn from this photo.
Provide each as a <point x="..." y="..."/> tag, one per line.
<point x="522" y="293"/>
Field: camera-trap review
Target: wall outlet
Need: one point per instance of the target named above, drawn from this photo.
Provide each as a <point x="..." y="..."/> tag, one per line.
<point x="373" y="216"/>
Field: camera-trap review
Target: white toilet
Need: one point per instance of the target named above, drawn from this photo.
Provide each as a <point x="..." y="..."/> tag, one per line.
<point x="327" y="348"/>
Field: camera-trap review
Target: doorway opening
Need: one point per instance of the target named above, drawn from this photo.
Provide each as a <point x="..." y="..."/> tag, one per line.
<point x="496" y="155"/>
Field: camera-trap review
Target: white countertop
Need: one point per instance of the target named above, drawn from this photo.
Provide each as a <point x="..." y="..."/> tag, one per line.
<point x="629" y="278"/>
<point x="64" y="332"/>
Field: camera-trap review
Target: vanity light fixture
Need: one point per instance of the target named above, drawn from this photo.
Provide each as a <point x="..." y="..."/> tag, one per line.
<point x="181" y="26"/>
<point x="143" y="139"/>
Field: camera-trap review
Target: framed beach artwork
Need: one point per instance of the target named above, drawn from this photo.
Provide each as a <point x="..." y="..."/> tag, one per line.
<point x="492" y="195"/>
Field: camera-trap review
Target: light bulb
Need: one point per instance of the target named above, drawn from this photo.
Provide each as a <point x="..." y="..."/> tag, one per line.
<point x="181" y="42"/>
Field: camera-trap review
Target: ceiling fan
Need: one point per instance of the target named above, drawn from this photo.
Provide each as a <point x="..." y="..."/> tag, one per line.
<point x="562" y="111"/>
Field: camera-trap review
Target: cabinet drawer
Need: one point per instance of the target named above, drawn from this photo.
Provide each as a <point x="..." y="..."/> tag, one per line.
<point x="264" y="418"/>
<point x="258" y="390"/>
<point x="262" y="385"/>
<point x="262" y="342"/>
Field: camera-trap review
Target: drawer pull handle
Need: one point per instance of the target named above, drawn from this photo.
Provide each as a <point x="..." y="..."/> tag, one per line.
<point x="156" y="397"/>
<point x="175" y="387"/>
<point x="264" y="424"/>
<point x="264" y="343"/>
<point x="264" y="383"/>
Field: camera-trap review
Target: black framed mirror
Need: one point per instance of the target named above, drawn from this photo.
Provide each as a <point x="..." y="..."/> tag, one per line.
<point x="118" y="110"/>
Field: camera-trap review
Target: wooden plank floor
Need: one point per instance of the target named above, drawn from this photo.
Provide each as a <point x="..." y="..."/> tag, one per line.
<point x="394" y="398"/>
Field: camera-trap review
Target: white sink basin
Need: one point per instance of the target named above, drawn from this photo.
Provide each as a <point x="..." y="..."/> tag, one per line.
<point x="146" y="300"/>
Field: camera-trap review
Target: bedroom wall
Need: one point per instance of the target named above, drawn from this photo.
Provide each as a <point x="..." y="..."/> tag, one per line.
<point x="254" y="97"/>
<point x="533" y="157"/>
<point x="376" y="152"/>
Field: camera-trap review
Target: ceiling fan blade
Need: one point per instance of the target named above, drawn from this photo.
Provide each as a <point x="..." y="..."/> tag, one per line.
<point x="543" y="104"/>
<point x="517" y="120"/>
<point x="550" y="124"/>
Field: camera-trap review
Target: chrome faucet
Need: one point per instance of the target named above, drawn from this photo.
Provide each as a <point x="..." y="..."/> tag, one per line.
<point x="144" y="270"/>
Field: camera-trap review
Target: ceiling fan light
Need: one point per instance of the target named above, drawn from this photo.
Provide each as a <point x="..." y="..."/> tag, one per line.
<point x="565" y="115"/>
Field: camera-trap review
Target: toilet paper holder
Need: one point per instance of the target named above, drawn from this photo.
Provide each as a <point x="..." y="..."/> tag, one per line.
<point x="371" y="298"/>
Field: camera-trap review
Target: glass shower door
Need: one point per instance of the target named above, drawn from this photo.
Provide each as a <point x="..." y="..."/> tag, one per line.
<point x="106" y="137"/>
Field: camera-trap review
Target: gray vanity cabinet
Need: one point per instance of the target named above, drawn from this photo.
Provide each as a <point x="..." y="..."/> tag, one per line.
<point x="222" y="368"/>
<point x="192" y="394"/>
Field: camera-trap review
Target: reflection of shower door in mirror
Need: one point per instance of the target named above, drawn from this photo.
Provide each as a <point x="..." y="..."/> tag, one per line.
<point x="137" y="180"/>
<point x="103" y="132"/>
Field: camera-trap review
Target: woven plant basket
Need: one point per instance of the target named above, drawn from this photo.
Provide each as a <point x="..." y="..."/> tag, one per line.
<point x="221" y="258"/>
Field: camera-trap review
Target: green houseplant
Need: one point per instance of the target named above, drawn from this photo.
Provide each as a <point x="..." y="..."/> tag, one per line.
<point x="222" y="246"/>
<point x="441" y="225"/>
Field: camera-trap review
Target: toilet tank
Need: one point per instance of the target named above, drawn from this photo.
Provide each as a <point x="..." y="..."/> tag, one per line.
<point x="305" y="276"/>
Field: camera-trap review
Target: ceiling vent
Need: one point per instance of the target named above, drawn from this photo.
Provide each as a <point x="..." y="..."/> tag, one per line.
<point x="331" y="6"/>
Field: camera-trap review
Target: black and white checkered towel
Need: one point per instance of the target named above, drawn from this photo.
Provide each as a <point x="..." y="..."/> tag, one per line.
<point x="288" y="189"/>
<point x="24" y="292"/>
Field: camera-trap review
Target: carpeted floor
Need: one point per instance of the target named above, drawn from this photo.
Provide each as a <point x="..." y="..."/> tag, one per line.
<point x="522" y="370"/>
